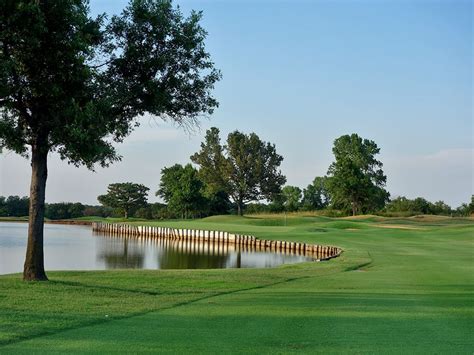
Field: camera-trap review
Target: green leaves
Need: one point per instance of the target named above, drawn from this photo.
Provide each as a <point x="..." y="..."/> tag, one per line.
<point x="212" y="163"/>
<point x="74" y="84"/>
<point x="182" y="189"/>
<point x="246" y="168"/>
<point x="316" y="195"/>
<point x="292" y="197"/>
<point x="253" y="168"/>
<point x="82" y="82"/>
<point x="126" y="197"/>
<point x="159" y="63"/>
<point x="355" y="179"/>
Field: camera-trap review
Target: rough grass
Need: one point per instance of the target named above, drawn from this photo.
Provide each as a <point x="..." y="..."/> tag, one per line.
<point x="392" y="291"/>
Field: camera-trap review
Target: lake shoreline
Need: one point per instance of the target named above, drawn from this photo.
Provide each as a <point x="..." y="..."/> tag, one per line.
<point x="59" y="221"/>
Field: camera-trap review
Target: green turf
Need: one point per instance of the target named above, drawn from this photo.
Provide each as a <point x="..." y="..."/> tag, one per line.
<point x="392" y="291"/>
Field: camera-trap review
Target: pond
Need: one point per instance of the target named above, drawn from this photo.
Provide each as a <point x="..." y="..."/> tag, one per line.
<point x="70" y="247"/>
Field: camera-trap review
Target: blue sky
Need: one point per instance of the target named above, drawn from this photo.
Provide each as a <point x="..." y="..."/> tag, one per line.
<point x="302" y="73"/>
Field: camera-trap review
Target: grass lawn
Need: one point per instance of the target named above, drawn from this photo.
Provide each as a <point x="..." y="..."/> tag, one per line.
<point x="402" y="285"/>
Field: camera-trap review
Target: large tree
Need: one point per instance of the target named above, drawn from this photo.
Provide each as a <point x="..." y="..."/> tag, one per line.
<point x="126" y="197"/>
<point x="213" y="172"/>
<point x="182" y="189"/>
<point x="355" y="179"/>
<point x="246" y="168"/>
<point x="212" y="162"/>
<point x="253" y="169"/>
<point x="74" y="84"/>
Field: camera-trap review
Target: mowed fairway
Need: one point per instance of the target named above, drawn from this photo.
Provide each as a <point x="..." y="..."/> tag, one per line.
<point x="401" y="286"/>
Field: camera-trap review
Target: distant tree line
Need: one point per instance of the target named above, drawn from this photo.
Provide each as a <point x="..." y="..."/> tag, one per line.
<point x="15" y="206"/>
<point x="291" y="201"/>
<point x="398" y="207"/>
<point x="402" y="206"/>
<point x="243" y="175"/>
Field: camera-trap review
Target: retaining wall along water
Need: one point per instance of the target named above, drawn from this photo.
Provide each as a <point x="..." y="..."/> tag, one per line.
<point x="317" y="252"/>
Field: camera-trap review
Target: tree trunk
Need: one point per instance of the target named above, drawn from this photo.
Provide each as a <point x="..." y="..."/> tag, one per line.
<point x="239" y="208"/>
<point x="126" y="214"/>
<point x="34" y="262"/>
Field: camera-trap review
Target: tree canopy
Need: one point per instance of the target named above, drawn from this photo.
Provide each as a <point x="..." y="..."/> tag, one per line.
<point x="14" y="206"/>
<point x="355" y="179"/>
<point x="315" y="195"/>
<point x="75" y="84"/>
<point x="246" y="168"/>
<point x="291" y="198"/>
<point x="212" y="163"/>
<point x="419" y="205"/>
<point x="125" y="197"/>
<point x="213" y="172"/>
<point x="64" y="210"/>
<point x="182" y="189"/>
<point x="466" y="209"/>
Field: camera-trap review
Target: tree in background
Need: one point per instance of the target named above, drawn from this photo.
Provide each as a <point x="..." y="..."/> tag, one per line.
<point x="399" y="204"/>
<point x="154" y="211"/>
<point x="97" y="211"/>
<point x="212" y="162"/>
<point x="217" y="203"/>
<point x="316" y="195"/>
<point x="252" y="168"/>
<point x="64" y="210"/>
<point x="292" y="197"/>
<point x="182" y="190"/>
<point x="277" y="203"/>
<point x="355" y="179"/>
<point x="71" y="83"/>
<point x="421" y="205"/>
<point x="441" y="208"/>
<point x="466" y="209"/>
<point x="126" y="197"/>
<point x="3" y="207"/>
<point x="213" y="172"/>
<point x="14" y="206"/>
<point x="246" y="168"/>
<point x="418" y="205"/>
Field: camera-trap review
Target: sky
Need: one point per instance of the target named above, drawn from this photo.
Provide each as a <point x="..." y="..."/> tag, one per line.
<point x="302" y="73"/>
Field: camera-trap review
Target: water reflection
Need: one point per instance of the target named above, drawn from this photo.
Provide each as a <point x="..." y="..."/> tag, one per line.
<point x="77" y="248"/>
<point x="117" y="254"/>
<point x="122" y="251"/>
<point x="187" y="255"/>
